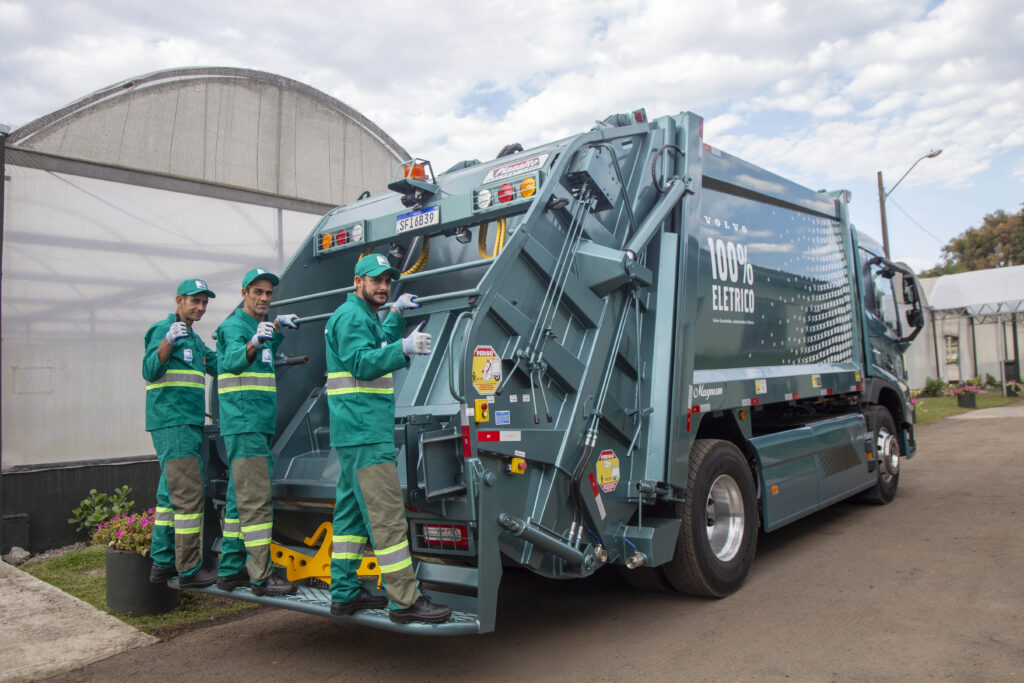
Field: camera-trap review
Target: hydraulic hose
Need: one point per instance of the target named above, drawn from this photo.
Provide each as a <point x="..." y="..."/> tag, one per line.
<point x="421" y="260"/>
<point x="499" y="240"/>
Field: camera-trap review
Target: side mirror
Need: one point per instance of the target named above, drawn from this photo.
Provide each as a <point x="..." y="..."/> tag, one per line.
<point x="915" y="318"/>
<point x="909" y="290"/>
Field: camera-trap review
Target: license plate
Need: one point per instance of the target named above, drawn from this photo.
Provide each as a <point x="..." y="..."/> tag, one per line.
<point x="420" y="218"/>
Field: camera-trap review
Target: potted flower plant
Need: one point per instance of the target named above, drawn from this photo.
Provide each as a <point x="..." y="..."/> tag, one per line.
<point x="127" y="537"/>
<point x="966" y="395"/>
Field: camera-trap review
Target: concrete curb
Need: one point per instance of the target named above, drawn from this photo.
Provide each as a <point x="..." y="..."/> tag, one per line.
<point x="45" y="631"/>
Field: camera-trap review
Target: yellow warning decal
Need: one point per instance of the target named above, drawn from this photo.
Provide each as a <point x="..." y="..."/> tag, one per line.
<point x="607" y="471"/>
<point x="486" y="370"/>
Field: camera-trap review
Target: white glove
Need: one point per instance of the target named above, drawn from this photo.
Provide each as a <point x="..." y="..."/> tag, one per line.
<point x="264" y="332"/>
<point x="178" y="331"/>
<point x="287" y="320"/>
<point x="405" y="302"/>
<point x="416" y="343"/>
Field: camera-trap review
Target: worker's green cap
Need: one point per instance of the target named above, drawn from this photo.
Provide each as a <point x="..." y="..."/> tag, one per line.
<point x="194" y="286"/>
<point x="376" y="264"/>
<point x="257" y="274"/>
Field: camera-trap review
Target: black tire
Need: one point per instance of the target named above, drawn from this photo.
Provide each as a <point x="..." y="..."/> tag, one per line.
<point x="719" y="481"/>
<point x="645" y="578"/>
<point x="886" y="439"/>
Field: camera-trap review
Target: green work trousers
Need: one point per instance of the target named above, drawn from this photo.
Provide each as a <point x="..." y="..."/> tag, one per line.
<point x="248" y="512"/>
<point x="177" y="534"/>
<point x="368" y="507"/>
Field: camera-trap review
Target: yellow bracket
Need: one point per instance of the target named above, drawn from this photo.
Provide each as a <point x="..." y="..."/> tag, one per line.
<point x="301" y="566"/>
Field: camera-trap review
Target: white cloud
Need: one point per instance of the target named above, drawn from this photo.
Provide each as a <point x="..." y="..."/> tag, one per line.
<point x="827" y="97"/>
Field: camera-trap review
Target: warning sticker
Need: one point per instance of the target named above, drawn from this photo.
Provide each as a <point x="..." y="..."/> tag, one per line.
<point x="608" y="471"/>
<point x="486" y="370"/>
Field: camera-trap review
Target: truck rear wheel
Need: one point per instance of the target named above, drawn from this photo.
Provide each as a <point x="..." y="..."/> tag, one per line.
<point x="718" y="534"/>
<point x="887" y="455"/>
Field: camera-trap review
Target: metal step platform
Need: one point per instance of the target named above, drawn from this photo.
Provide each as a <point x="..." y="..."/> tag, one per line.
<point x="317" y="601"/>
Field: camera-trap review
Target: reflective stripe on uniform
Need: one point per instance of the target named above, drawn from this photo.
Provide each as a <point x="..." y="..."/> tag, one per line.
<point x="347" y="547"/>
<point x="247" y="381"/>
<point x="257" y="534"/>
<point x="345" y="383"/>
<point x="188" y="524"/>
<point x="164" y="517"/>
<point x="232" y="528"/>
<point x="395" y="557"/>
<point x="179" y="378"/>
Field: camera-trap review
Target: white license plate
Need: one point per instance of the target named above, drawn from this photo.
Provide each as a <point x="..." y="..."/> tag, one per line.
<point x="420" y="218"/>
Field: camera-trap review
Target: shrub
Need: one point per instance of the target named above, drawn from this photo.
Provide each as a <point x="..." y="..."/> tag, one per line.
<point x="132" y="532"/>
<point x="992" y="381"/>
<point x="100" y="507"/>
<point x="933" y="387"/>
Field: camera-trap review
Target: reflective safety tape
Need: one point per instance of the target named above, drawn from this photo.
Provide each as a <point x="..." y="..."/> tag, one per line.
<point x="164" y="517"/>
<point x="347" y="547"/>
<point x="395" y="557"/>
<point x="232" y="528"/>
<point x="247" y="381"/>
<point x="345" y="383"/>
<point x="257" y="534"/>
<point x="179" y="378"/>
<point x="188" y="524"/>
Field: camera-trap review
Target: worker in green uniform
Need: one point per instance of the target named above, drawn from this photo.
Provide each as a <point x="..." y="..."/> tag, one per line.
<point x="174" y="366"/>
<point x="247" y="396"/>
<point x="361" y="355"/>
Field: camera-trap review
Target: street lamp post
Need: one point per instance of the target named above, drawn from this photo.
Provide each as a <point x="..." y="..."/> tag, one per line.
<point x="882" y="194"/>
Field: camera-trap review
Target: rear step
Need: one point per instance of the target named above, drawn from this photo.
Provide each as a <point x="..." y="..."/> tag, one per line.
<point x="318" y="601"/>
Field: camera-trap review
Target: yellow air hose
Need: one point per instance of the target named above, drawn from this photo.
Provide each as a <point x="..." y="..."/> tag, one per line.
<point x="421" y="260"/>
<point x="499" y="240"/>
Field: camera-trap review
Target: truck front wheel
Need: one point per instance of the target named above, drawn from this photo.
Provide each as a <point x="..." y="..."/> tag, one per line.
<point x="887" y="455"/>
<point x="718" y="534"/>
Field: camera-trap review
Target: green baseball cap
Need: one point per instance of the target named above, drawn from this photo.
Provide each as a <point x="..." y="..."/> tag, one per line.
<point x="194" y="286"/>
<point x="258" y="273"/>
<point x="376" y="264"/>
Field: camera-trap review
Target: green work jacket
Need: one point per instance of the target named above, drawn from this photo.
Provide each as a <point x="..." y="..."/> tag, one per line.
<point x="246" y="392"/>
<point x="361" y="354"/>
<point x="176" y="390"/>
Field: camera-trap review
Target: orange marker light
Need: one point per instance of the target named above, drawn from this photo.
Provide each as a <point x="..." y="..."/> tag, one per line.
<point x="528" y="187"/>
<point x="326" y="241"/>
<point x="775" y="489"/>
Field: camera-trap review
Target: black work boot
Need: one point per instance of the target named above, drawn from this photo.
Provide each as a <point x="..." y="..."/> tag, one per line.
<point x="274" y="585"/>
<point x="233" y="581"/>
<point x="160" y="574"/>
<point x="201" y="579"/>
<point x="423" y="610"/>
<point x="365" y="600"/>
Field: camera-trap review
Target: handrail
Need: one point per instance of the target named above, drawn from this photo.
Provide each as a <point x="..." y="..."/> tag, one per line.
<point x="407" y="278"/>
<point x="451" y="361"/>
<point x="421" y="300"/>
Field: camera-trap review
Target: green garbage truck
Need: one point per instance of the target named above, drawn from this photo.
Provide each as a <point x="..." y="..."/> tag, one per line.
<point x="644" y="351"/>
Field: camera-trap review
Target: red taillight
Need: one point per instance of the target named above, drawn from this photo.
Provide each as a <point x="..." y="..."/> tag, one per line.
<point x="451" y="536"/>
<point x="506" y="193"/>
<point x="341" y="237"/>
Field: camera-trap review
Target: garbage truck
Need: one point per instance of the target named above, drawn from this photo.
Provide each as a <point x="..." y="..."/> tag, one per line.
<point x="645" y="350"/>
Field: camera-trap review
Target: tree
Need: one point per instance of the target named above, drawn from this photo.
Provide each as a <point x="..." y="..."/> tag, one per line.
<point x="997" y="243"/>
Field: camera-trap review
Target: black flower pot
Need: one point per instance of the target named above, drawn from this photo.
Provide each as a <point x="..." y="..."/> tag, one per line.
<point x="129" y="589"/>
<point x="967" y="400"/>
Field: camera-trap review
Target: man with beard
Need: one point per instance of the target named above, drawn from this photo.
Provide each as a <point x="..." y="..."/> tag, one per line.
<point x="362" y="352"/>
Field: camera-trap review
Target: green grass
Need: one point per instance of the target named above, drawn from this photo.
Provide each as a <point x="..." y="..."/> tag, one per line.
<point x="82" y="573"/>
<point x="933" y="409"/>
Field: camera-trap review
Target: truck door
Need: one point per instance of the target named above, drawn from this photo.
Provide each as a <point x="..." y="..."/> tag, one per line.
<point x="882" y="322"/>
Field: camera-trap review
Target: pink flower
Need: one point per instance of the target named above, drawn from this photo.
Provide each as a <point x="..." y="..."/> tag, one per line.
<point x="120" y="532"/>
<point x="145" y="522"/>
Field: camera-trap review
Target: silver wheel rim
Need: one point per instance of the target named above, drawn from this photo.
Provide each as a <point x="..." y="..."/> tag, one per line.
<point x="725" y="518"/>
<point x="888" y="454"/>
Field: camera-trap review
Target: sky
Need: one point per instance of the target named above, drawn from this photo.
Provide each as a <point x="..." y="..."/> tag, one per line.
<point x="826" y="94"/>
